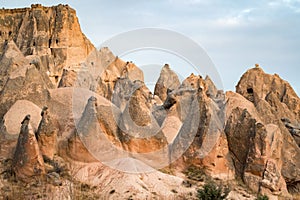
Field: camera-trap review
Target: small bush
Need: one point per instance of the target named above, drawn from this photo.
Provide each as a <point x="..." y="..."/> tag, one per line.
<point x="262" y="197"/>
<point x="195" y="173"/>
<point x="211" y="191"/>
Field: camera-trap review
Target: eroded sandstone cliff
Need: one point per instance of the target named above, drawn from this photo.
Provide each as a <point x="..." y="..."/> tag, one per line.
<point x="50" y="37"/>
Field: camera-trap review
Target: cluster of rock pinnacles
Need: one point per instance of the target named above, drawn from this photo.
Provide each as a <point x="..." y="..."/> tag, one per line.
<point x="35" y="147"/>
<point x="45" y="58"/>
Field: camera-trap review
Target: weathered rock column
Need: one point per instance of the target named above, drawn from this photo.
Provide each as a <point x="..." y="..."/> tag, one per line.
<point x="27" y="160"/>
<point x="47" y="135"/>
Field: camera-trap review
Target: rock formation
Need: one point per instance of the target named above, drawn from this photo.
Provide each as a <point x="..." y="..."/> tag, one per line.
<point x="47" y="134"/>
<point x="106" y="117"/>
<point x="31" y="87"/>
<point x="139" y="129"/>
<point x="51" y="34"/>
<point x="212" y="90"/>
<point x="22" y="107"/>
<point x="269" y="148"/>
<point x="87" y="73"/>
<point x="13" y="63"/>
<point x="87" y="128"/>
<point x="27" y="160"/>
<point x="293" y="129"/>
<point x="96" y="133"/>
<point x="255" y="85"/>
<point x="203" y="121"/>
<point x="167" y="81"/>
<point x="123" y="90"/>
<point x="117" y="69"/>
<point x="256" y="152"/>
<point x="17" y="74"/>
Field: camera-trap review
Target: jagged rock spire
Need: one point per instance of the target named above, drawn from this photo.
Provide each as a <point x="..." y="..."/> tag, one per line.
<point x="47" y="134"/>
<point x="168" y="80"/>
<point x="27" y="159"/>
<point x="87" y="128"/>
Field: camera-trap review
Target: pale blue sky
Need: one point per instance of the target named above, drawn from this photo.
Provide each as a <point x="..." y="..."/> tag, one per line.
<point x="235" y="34"/>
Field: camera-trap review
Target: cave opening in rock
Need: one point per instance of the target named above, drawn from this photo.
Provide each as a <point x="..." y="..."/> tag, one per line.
<point x="50" y="41"/>
<point x="250" y="90"/>
<point x="250" y="94"/>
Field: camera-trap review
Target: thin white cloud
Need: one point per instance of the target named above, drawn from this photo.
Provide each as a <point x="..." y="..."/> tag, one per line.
<point x="239" y="18"/>
<point x="293" y="5"/>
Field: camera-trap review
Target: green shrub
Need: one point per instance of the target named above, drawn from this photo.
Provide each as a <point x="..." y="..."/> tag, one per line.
<point x="264" y="197"/>
<point x="211" y="191"/>
<point x="195" y="173"/>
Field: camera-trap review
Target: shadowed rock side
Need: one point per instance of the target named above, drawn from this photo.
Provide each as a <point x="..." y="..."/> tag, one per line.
<point x="20" y="75"/>
<point x="47" y="134"/>
<point x="117" y="69"/>
<point x="167" y="81"/>
<point x="261" y="126"/>
<point x="256" y="152"/>
<point x="123" y="90"/>
<point x="87" y="127"/>
<point x="293" y="129"/>
<point x="95" y="138"/>
<point x="13" y="63"/>
<point x="139" y="130"/>
<point x="27" y="160"/>
<point x="202" y="130"/>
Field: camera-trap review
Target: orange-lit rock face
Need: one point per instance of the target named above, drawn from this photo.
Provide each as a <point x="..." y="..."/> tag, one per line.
<point x="51" y="36"/>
